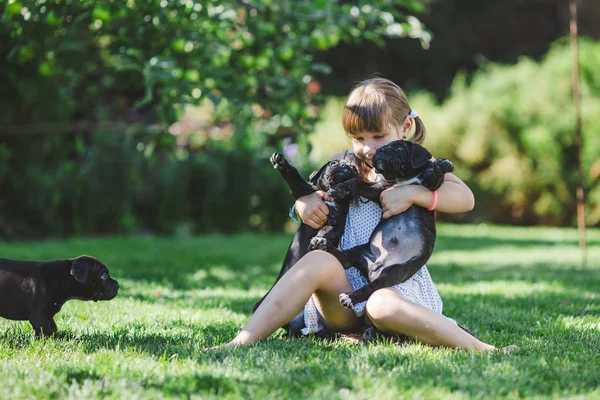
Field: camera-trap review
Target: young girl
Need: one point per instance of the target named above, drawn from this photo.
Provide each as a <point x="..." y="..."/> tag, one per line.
<point x="376" y="113"/>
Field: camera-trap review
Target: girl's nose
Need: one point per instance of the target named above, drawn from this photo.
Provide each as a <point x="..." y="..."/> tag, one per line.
<point x="368" y="150"/>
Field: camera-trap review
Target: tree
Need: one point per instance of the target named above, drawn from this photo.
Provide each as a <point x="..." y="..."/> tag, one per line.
<point x="94" y="59"/>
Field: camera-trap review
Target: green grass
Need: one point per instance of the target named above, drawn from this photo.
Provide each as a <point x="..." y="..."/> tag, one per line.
<point x="509" y="285"/>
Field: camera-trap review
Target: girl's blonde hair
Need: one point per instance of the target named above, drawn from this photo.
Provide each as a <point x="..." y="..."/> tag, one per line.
<point x="375" y="105"/>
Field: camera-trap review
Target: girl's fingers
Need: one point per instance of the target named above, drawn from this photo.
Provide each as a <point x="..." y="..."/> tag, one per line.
<point x="319" y="219"/>
<point x="320" y="215"/>
<point x="324" y="209"/>
<point x="384" y="208"/>
<point x="323" y="195"/>
<point x="315" y="223"/>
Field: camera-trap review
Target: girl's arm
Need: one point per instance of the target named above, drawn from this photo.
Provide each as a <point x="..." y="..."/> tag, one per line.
<point x="454" y="196"/>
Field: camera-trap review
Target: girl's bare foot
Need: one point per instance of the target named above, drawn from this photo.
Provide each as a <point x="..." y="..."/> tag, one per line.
<point x="509" y="349"/>
<point x="505" y="350"/>
<point x="221" y="346"/>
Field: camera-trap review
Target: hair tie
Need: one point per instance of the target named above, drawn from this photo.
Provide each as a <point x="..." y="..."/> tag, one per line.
<point x="413" y="113"/>
<point x="435" y="200"/>
<point x="293" y="214"/>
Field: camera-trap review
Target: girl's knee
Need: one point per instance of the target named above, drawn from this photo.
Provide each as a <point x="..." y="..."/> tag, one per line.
<point x="319" y="262"/>
<point x="321" y="257"/>
<point x="385" y="306"/>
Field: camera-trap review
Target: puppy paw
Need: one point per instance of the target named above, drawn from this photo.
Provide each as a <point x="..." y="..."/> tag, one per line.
<point x="318" y="243"/>
<point x="339" y="192"/>
<point x="443" y="165"/>
<point x="279" y="162"/>
<point x="346" y="301"/>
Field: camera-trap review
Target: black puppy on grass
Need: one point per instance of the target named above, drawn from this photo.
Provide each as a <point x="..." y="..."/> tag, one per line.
<point x="400" y="245"/>
<point x="331" y="174"/>
<point x="36" y="290"/>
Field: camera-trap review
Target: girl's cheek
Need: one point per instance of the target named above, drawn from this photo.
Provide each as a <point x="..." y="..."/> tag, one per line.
<point x="388" y="139"/>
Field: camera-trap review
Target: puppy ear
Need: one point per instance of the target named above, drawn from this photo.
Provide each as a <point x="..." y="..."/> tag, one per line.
<point x="314" y="177"/>
<point x="80" y="269"/>
<point x="419" y="156"/>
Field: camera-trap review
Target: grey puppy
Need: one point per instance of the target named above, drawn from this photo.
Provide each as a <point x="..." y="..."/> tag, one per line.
<point x="36" y="290"/>
<point x="400" y="245"/>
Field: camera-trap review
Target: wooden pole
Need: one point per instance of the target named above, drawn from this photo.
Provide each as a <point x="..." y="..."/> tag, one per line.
<point x="578" y="138"/>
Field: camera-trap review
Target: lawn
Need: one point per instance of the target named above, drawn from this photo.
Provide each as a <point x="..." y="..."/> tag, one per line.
<point x="178" y="295"/>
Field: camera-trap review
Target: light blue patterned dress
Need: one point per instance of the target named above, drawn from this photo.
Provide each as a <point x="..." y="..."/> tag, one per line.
<point x="363" y="217"/>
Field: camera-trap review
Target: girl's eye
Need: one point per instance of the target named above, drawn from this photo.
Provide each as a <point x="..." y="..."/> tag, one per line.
<point x="379" y="136"/>
<point x="359" y="139"/>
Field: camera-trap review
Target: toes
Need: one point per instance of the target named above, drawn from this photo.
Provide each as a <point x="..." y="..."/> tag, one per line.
<point x="277" y="160"/>
<point x="345" y="300"/>
<point x="317" y="243"/>
<point x="447" y="166"/>
<point x="509" y="349"/>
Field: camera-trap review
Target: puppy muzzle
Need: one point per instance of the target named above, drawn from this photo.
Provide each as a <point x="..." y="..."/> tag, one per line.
<point x="109" y="292"/>
<point x="384" y="170"/>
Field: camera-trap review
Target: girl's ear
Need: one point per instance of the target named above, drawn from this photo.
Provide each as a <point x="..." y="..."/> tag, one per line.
<point x="407" y="127"/>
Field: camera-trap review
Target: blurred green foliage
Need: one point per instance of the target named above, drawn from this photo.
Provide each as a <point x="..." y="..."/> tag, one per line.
<point x="511" y="133"/>
<point x="116" y="185"/>
<point x="66" y="60"/>
<point x="106" y="80"/>
<point x="92" y="87"/>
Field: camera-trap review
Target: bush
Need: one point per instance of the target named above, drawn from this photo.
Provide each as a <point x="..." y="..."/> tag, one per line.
<point x="92" y="60"/>
<point x="510" y="132"/>
<point x="125" y="182"/>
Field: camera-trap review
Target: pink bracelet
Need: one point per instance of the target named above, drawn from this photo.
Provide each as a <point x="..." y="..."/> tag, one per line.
<point x="435" y="199"/>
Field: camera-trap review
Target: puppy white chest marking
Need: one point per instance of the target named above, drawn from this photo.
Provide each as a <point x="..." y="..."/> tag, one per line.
<point x="410" y="181"/>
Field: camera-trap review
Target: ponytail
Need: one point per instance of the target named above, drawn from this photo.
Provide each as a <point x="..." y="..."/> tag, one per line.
<point x="420" y="131"/>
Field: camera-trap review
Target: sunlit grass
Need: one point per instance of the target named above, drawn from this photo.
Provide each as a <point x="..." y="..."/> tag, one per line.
<point x="178" y="296"/>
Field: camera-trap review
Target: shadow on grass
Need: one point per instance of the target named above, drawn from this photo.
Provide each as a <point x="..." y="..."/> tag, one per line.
<point x="300" y="370"/>
<point x="180" y="386"/>
<point x="238" y="305"/>
<point x="230" y="274"/>
<point x="184" y="386"/>
<point x="179" y="339"/>
<point x="567" y="276"/>
<point x="539" y="314"/>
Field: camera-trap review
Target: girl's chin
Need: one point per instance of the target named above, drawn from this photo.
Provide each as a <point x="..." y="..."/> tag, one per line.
<point x="368" y="162"/>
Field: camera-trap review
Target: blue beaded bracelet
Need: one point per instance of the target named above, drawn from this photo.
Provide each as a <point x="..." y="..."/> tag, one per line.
<point x="293" y="214"/>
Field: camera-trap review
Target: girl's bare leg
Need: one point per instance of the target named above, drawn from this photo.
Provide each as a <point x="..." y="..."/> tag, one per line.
<point x="392" y="313"/>
<point x="318" y="272"/>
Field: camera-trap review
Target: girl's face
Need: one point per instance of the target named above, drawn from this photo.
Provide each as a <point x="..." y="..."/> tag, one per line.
<point x="365" y="144"/>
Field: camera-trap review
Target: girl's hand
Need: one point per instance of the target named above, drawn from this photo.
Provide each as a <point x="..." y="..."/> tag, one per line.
<point x="395" y="200"/>
<point x="312" y="210"/>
